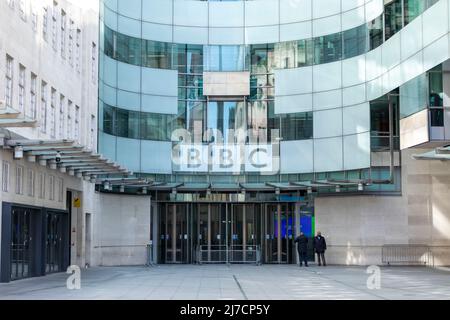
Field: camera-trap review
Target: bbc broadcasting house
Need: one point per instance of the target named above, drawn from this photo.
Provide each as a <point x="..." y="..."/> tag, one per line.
<point x="188" y="132"/>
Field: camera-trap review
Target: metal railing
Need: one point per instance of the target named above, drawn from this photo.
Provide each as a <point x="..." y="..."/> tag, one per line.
<point x="229" y="254"/>
<point x="407" y="255"/>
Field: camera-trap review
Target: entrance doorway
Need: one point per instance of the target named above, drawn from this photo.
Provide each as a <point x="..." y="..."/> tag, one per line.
<point x="55" y="245"/>
<point x="21" y="243"/>
<point x="279" y="233"/>
<point x="228" y="232"/>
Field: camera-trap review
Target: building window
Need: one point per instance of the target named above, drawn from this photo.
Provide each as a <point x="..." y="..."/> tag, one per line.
<point x="70" y="48"/>
<point x="92" y="133"/>
<point x="63" y="34"/>
<point x="43" y="107"/>
<point x="5" y="176"/>
<point x="60" y="189"/>
<point x="327" y="48"/>
<point x="22" y="10"/>
<point x="62" y="101"/>
<point x="42" y="185"/>
<point x="77" y="123"/>
<point x="51" y="188"/>
<point x="94" y="62"/>
<point x="54" y="27"/>
<point x="21" y="88"/>
<point x="34" y="19"/>
<point x="9" y="81"/>
<point x="69" y="119"/>
<point x="44" y="22"/>
<point x="30" y="183"/>
<point x="19" y="179"/>
<point x="53" y="113"/>
<point x="393" y="18"/>
<point x="297" y="126"/>
<point x="78" y="51"/>
<point x="33" y="91"/>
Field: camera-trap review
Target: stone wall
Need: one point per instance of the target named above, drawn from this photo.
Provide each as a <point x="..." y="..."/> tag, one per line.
<point x="357" y="227"/>
<point x="121" y="230"/>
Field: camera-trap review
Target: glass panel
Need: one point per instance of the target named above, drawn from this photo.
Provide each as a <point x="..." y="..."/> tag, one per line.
<point x="413" y="8"/>
<point x="194" y="119"/>
<point x="413" y="96"/>
<point x="297" y="126"/>
<point x="108" y="118"/>
<point x="393" y="21"/>
<point x="379" y="118"/>
<point x="224" y="118"/>
<point x="226" y="58"/>
<point x="156" y="54"/>
<point x="376" y="32"/>
<point x="355" y="42"/>
<point x="305" y="52"/>
<point x="286" y="54"/>
<point x="203" y="225"/>
<point x="109" y="42"/>
<point x="129" y="49"/>
<point x="327" y="48"/>
<point x="436" y="87"/>
<point x="437" y="117"/>
<point x="257" y="113"/>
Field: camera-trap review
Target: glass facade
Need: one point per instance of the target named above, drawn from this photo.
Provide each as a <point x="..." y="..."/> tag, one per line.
<point x="210" y="121"/>
<point x="424" y="92"/>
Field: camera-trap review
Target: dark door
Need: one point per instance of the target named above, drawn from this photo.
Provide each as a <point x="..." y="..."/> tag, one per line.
<point x="21" y="244"/>
<point x="55" y="242"/>
<point x="174" y="233"/>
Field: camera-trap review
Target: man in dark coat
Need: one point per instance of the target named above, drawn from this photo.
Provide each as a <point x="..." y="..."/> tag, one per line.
<point x="320" y="246"/>
<point x="302" y="246"/>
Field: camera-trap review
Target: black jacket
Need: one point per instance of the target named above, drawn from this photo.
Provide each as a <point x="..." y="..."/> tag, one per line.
<point x="320" y="244"/>
<point x="302" y="243"/>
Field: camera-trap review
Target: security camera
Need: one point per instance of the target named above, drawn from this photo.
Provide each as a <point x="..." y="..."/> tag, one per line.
<point x="58" y="157"/>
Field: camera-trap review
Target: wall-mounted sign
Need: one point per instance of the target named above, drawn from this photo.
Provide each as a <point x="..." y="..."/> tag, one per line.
<point x="77" y="202"/>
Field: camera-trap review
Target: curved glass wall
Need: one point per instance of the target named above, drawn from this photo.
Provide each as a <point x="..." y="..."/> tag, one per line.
<point x="291" y="54"/>
<point x="256" y="114"/>
<point x="223" y="120"/>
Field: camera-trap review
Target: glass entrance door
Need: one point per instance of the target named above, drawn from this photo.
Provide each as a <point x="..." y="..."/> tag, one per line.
<point x="54" y="243"/>
<point x="227" y="232"/>
<point x="279" y="233"/>
<point x="21" y="244"/>
<point x="175" y="237"/>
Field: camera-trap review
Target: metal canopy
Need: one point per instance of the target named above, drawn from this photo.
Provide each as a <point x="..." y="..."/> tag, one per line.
<point x="72" y="157"/>
<point x="441" y="153"/>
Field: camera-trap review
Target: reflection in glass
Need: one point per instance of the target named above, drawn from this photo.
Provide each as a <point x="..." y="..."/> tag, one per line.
<point x="225" y="119"/>
<point x="375" y="33"/>
<point x="436" y="88"/>
<point x="226" y="58"/>
<point x="355" y="43"/>
<point x="393" y="19"/>
<point x="413" y="96"/>
<point x="327" y="48"/>
<point x="297" y="126"/>
<point x="194" y="119"/>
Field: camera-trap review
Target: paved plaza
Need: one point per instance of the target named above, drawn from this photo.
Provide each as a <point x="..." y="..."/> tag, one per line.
<point x="236" y="282"/>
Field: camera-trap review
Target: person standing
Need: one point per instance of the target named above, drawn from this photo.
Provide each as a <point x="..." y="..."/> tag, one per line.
<point x="302" y="248"/>
<point x="320" y="246"/>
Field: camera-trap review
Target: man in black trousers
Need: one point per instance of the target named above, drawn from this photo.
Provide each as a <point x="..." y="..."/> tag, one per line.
<point x="320" y="246"/>
<point x="302" y="246"/>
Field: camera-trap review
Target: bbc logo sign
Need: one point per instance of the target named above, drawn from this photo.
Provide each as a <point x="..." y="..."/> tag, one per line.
<point x="232" y="158"/>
